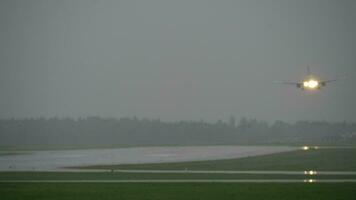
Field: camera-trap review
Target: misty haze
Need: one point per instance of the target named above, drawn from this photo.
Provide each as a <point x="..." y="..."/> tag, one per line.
<point x="185" y="92"/>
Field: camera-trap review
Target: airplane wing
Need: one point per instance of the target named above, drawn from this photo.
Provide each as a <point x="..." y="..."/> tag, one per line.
<point x="287" y="82"/>
<point x="328" y="81"/>
<point x="332" y="80"/>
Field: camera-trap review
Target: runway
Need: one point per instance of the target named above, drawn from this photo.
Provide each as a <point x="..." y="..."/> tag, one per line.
<point x="186" y="171"/>
<point x="57" y="159"/>
<point x="309" y="172"/>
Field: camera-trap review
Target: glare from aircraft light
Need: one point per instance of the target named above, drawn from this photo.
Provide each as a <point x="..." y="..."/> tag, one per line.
<point x="311" y="181"/>
<point x="305" y="148"/>
<point x="316" y="147"/>
<point x="311" y="84"/>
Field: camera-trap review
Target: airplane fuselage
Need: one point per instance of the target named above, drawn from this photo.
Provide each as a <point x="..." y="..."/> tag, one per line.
<point x="310" y="84"/>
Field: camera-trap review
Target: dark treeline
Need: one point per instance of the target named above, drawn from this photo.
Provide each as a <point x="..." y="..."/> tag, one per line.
<point x="109" y="132"/>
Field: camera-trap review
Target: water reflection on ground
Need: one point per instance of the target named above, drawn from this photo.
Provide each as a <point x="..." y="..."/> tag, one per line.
<point x="50" y="160"/>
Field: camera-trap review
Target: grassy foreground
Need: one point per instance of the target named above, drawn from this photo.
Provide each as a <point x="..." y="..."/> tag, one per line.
<point x="342" y="159"/>
<point x="176" y="191"/>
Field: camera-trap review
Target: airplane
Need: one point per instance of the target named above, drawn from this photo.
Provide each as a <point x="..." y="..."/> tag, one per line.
<point x="309" y="83"/>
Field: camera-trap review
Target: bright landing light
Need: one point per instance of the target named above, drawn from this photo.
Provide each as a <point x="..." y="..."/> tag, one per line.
<point x="311" y="172"/>
<point x="311" y="84"/>
<point x="309" y="181"/>
<point x="305" y="148"/>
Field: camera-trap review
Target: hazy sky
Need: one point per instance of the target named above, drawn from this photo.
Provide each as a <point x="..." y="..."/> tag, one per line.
<point x="176" y="60"/>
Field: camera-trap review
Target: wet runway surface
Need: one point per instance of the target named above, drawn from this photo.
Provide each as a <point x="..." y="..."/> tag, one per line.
<point x="242" y="172"/>
<point x="54" y="160"/>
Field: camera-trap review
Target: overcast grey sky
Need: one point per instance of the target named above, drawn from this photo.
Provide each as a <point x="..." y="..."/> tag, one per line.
<point x="176" y="60"/>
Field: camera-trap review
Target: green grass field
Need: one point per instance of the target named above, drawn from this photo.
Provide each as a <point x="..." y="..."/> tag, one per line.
<point x="176" y="191"/>
<point x="10" y="153"/>
<point x="320" y="159"/>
